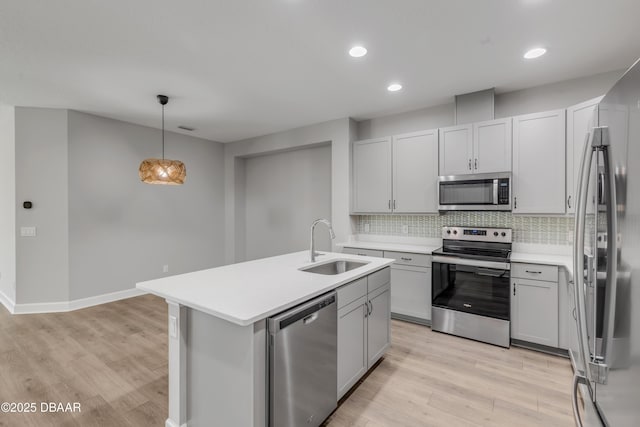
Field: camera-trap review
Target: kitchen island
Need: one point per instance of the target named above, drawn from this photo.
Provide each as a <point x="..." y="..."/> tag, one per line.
<point x="218" y="331"/>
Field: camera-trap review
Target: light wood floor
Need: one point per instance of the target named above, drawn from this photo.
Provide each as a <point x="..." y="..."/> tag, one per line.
<point x="113" y="360"/>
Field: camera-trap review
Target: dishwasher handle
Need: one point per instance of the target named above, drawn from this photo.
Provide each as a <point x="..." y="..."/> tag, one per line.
<point x="307" y="312"/>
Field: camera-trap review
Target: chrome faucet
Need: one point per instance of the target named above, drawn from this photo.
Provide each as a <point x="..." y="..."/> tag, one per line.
<point x="313" y="226"/>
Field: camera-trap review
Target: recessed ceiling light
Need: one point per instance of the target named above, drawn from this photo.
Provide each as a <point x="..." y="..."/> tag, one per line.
<point x="535" y="53"/>
<point x="394" y="87"/>
<point x="358" y="51"/>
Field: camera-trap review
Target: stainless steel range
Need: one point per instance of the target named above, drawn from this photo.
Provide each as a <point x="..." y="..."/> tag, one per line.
<point x="470" y="286"/>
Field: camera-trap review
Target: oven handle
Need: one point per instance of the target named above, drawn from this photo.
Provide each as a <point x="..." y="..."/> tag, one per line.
<point x="471" y="262"/>
<point x="490" y="272"/>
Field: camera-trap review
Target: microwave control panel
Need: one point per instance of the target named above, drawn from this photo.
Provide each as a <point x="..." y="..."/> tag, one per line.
<point x="503" y="191"/>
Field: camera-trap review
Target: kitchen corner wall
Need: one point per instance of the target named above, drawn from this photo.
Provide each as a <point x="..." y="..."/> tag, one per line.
<point x="338" y="133"/>
<point x="549" y="230"/>
<point x="7" y="205"/>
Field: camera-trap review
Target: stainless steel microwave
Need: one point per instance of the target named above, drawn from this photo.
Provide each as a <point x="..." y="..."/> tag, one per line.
<point x="479" y="192"/>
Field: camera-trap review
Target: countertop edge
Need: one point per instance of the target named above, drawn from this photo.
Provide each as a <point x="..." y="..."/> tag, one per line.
<point x="250" y="321"/>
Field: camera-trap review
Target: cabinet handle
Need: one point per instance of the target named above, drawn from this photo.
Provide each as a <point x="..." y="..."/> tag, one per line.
<point x="389" y="204"/>
<point x="514" y="289"/>
<point x="362" y="254"/>
<point x="405" y="259"/>
<point x="394" y="204"/>
<point x="371" y="309"/>
<point x="469" y="164"/>
<point x="366" y="310"/>
<point x="476" y="164"/>
<point x="533" y="272"/>
<point x="569" y="202"/>
<point x="515" y="202"/>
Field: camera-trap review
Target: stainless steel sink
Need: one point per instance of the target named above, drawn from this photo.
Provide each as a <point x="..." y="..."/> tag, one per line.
<point x="334" y="267"/>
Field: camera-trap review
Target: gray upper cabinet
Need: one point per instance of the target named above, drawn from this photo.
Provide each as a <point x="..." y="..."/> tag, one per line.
<point x="492" y="146"/>
<point x="476" y="148"/>
<point x="371" y="175"/>
<point x="539" y="163"/>
<point x="415" y="172"/>
<point x="580" y="119"/>
<point x="456" y="150"/>
<point x="396" y="174"/>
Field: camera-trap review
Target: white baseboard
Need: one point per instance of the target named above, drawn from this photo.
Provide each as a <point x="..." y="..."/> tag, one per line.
<point x="62" y="306"/>
<point x="7" y="302"/>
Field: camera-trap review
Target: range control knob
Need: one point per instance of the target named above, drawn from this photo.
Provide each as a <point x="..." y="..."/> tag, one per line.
<point x="503" y="234"/>
<point x="495" y="233"/>
<point x="448" y="231"/>
<point x="455" y="231"/>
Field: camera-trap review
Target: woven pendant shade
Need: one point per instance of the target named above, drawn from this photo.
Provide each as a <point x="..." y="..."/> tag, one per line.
<point x="162" y="171"/>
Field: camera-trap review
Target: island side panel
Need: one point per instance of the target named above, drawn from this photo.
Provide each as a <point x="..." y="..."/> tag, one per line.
<point x="177" y="365"/>
<point x="226" y="379"/>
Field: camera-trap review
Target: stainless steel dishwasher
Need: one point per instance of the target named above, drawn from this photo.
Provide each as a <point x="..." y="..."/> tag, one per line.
<point x="303" y="355"/>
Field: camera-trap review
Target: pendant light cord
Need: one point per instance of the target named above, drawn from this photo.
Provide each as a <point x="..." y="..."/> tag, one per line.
<point x="163" y="132"/>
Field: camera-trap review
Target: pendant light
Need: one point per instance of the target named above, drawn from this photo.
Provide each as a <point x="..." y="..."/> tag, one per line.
<point x="162" y="171"/>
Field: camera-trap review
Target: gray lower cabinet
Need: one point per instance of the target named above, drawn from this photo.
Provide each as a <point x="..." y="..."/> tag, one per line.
<point x="534" y="304"/>
<point x="411" y="286"/>
<point x="363" y="326"/>
<point x="567" y="327"/>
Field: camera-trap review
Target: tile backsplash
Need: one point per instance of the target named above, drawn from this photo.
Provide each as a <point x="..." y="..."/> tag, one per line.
<point x="550" y="230"/>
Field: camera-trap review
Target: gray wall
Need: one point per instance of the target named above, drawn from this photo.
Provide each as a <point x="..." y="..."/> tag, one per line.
<point x="42" y="262"/>
<point x="540" y="98"/>
<point x="284" y="193"/>
<point x="121" y="230"/>
<point x="7" y="204"/>
<point x="337" y="132"/>
<point x="555" y="95"/>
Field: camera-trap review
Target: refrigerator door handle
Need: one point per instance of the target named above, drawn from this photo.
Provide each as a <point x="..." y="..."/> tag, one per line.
<point x="612" y="251"/>
<point x="578" y="251"/>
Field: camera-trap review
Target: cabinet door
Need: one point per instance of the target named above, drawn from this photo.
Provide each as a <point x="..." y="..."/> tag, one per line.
<point x="352" y="344"/>
<point x="539" y="163"/>
<point x="371" y="180"/>
<point x="415" y="172"/>
<point x="567" y="325"/>
<point x="411" y="291"/>
<point x="456" y="150"/>
<point x="534" y="311"/>
<point x="378" y="328"/>
<point x="492" y="146"/>
<point x="580" y="119"/>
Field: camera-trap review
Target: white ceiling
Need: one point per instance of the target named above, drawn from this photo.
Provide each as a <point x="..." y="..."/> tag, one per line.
<point x="241" y="68"/>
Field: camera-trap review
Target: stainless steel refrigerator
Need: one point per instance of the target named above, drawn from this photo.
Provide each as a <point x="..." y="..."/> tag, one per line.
<point x="607" y="262"/>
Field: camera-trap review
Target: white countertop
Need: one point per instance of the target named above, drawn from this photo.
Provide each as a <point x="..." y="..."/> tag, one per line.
<point x="528" y="253"/>
<point x="564" y="261"/>
<point x="247" y="292"/>
<point x="389" y="246"/>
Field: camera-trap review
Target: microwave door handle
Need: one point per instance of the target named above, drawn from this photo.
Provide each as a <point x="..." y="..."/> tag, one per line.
<point x="495" y="191"/>
<point x="578" y="252"/>
<point x="612" y="250"/>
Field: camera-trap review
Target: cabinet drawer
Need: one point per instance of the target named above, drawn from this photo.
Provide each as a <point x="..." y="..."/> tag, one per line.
<point x="362" y="252"/>
<point x="379" y="278"/>
<point x="351" y="292"/>
<point x="406" y="258"/>
<point x="548" y="273"/>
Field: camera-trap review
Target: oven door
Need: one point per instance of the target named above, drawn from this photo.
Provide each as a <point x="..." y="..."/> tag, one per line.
<point x="472" y="286"/>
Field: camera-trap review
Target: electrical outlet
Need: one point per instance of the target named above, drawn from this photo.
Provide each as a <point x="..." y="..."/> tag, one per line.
<point x="405" y="229"/>
<point x="366" y="228"/>
<point x="165" y="268"/>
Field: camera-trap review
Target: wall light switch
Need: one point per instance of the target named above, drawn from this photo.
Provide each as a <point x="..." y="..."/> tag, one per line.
<point x="27" y="232"/>
<point x="173" y="326"/>
<point x="405" y="229"/>
<point x="366" y="228"/>
<point x="165" y="268"/>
